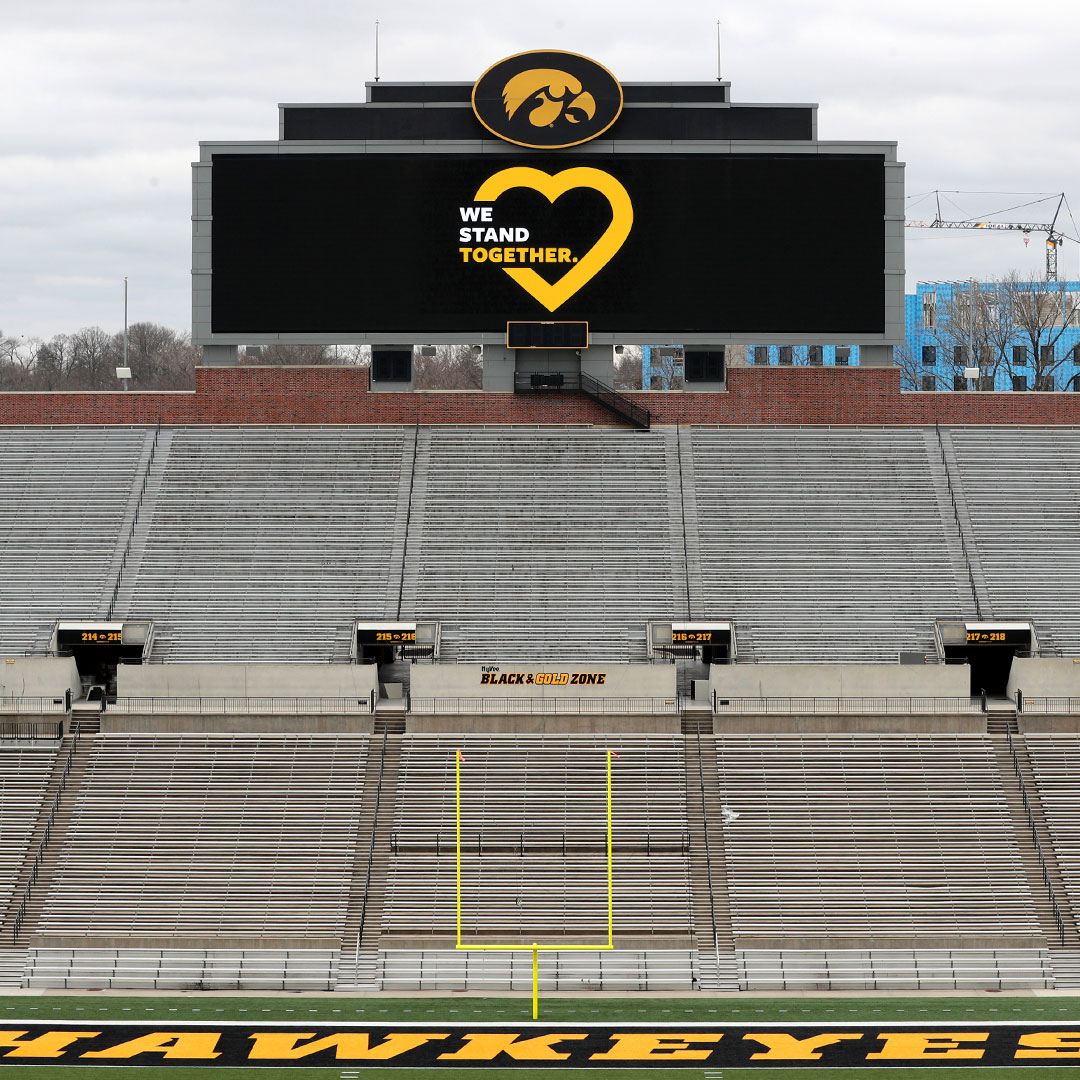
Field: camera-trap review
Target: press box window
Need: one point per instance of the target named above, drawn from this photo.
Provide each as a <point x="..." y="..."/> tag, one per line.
<point x="391" y="365"/>
<point x="704" y="365"/>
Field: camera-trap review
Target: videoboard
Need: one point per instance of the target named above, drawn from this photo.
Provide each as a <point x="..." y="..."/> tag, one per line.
<point x="662" y="245"/>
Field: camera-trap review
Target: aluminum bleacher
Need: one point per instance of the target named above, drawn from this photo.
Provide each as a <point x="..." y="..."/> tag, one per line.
<point x="1020" y="485"/>
<point x="826" y="545"/>
<point x="850" y="839"/>
<point x="266" y="543"/>
<point x="533" y="837"/>
<point x="66" y="493"/>
<point x="206" y="836"/>
<point x="544" y="544"/>
<point x="24" y="776"/>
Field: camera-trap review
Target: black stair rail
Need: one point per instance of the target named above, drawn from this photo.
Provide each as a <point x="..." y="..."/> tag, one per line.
<point x="619" y="404"/>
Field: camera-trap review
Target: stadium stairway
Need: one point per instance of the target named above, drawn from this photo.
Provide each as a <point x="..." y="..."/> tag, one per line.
<point x="945" y="478"/>
<point x="711" y="911"/>
<point x="56" y="831"/>
<point x="1029" y="822"/>
<point x="131" y="538"/>
<point x="358" y="958"/>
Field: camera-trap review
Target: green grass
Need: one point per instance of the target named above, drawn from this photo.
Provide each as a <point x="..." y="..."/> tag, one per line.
<point x="554" y="1009"/>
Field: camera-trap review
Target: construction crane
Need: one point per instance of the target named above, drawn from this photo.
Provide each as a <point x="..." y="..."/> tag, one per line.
<point x="1054" y="237"/>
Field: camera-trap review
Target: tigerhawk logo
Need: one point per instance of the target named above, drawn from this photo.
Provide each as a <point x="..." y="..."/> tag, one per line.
<point x="553" y="94"/>
<point x="547" y="100"/>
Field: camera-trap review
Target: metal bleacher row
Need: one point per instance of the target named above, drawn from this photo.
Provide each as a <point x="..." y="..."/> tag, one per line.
<point x="1021" y="487"/>
<point x="823" y="542"/>
<point x="209" y="837"/>
<point x="24" y="776"/>
<point x="66" y="495"/>
<point x="533" y="822"/>
<point x="536" y="545"/>
<point x="264" y="543"/>
<point x="180" y="859"/>
<point x="866" y="838"/>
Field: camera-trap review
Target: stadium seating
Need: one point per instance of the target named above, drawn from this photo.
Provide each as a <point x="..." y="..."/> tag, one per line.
<point x="1055" y="764"/>
<point x="224" y="837"/>
<point x="825" y="545"/>
<point x="24" y="777"/>
<point x="1020" y="485"/>
<point x="856" y="839"/>
<point x="544" y="544"/>
<point x="533" y="837"/>
<point x="266" y="543"/>
<point x="68" y="496"/>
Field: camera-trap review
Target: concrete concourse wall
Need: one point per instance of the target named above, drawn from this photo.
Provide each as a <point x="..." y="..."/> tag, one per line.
<point x="39" y="676"/>
<point x="466" y="681"/>
<point x="839" y="680"/>
<point x="246" y="680"/>
<point x="329" y="395"/>
<point x="1038" y="676"/>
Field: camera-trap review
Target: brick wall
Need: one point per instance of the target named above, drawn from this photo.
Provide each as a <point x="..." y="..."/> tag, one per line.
<point x="320" y="395"/>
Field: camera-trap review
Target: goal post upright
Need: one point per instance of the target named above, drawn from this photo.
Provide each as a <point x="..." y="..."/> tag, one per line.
<point x="535" y="948"/>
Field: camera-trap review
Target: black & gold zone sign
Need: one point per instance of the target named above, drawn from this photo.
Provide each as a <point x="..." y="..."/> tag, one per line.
<point x="630" y="243"/>
<point x="187" y="1043"/>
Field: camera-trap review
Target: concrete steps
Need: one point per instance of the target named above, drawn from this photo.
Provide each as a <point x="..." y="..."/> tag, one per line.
<point x="710" y="907"/>
<point x="358" y="965"/>
<point x="56" y="831"/>
<point x="1016" y="788"/>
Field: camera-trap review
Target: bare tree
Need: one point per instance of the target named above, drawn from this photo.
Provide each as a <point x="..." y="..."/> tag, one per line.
<point x="288" y="355"/>
<point x="452" y="367"/>
<point x="628" y="368"/>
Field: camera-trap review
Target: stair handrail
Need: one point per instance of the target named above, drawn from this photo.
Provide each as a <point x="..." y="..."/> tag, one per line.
<point x="46" y="835"/>
<point x="708" y="853"/>
<point x="1058" y="918"/>
<point x="959" y="523"/>
<point x="134" y="520"/>
<point x="615" y="401"/>
<point x="371" y="847"/>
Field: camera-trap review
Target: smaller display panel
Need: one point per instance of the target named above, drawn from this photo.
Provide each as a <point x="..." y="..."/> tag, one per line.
<point x="1007" y="636"/>
<point x="89" y="635"/>
<point x="370" y="635"/>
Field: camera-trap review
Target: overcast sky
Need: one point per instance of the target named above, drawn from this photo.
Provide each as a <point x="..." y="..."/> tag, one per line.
<point x="104" y="104"/>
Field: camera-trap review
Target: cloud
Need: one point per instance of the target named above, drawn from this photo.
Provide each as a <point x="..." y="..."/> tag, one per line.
<point x="113" y="98"/>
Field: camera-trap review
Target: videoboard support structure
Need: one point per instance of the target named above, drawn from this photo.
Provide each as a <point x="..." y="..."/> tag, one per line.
<point x="545" y="194"/>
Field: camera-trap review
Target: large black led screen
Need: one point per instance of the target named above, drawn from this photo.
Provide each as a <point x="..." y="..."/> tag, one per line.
<point x="651" y="244"/>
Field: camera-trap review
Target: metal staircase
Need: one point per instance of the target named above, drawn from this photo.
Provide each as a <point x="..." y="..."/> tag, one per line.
<point x="637" y="416"/>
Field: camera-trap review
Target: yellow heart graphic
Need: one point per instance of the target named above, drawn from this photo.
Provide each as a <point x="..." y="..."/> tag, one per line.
<point x="554" y="294"/>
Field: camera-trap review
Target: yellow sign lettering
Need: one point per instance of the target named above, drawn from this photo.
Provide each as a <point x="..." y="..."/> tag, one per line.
<point x="788" y="1048"/>
<point x="673" y="1047"/>
<point x="189" y="1045"/>
<point x="552" y="295"/>
<point x="348" y="1046"/>
<point x="908" y="1045"/>
<point x="1049" y="1044"/>
<point x="486" y="1047"/>
<point x="49" y="1044"/>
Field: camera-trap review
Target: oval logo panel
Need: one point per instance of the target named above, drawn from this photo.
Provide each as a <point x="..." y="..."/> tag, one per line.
<point x="547" y="100"/>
